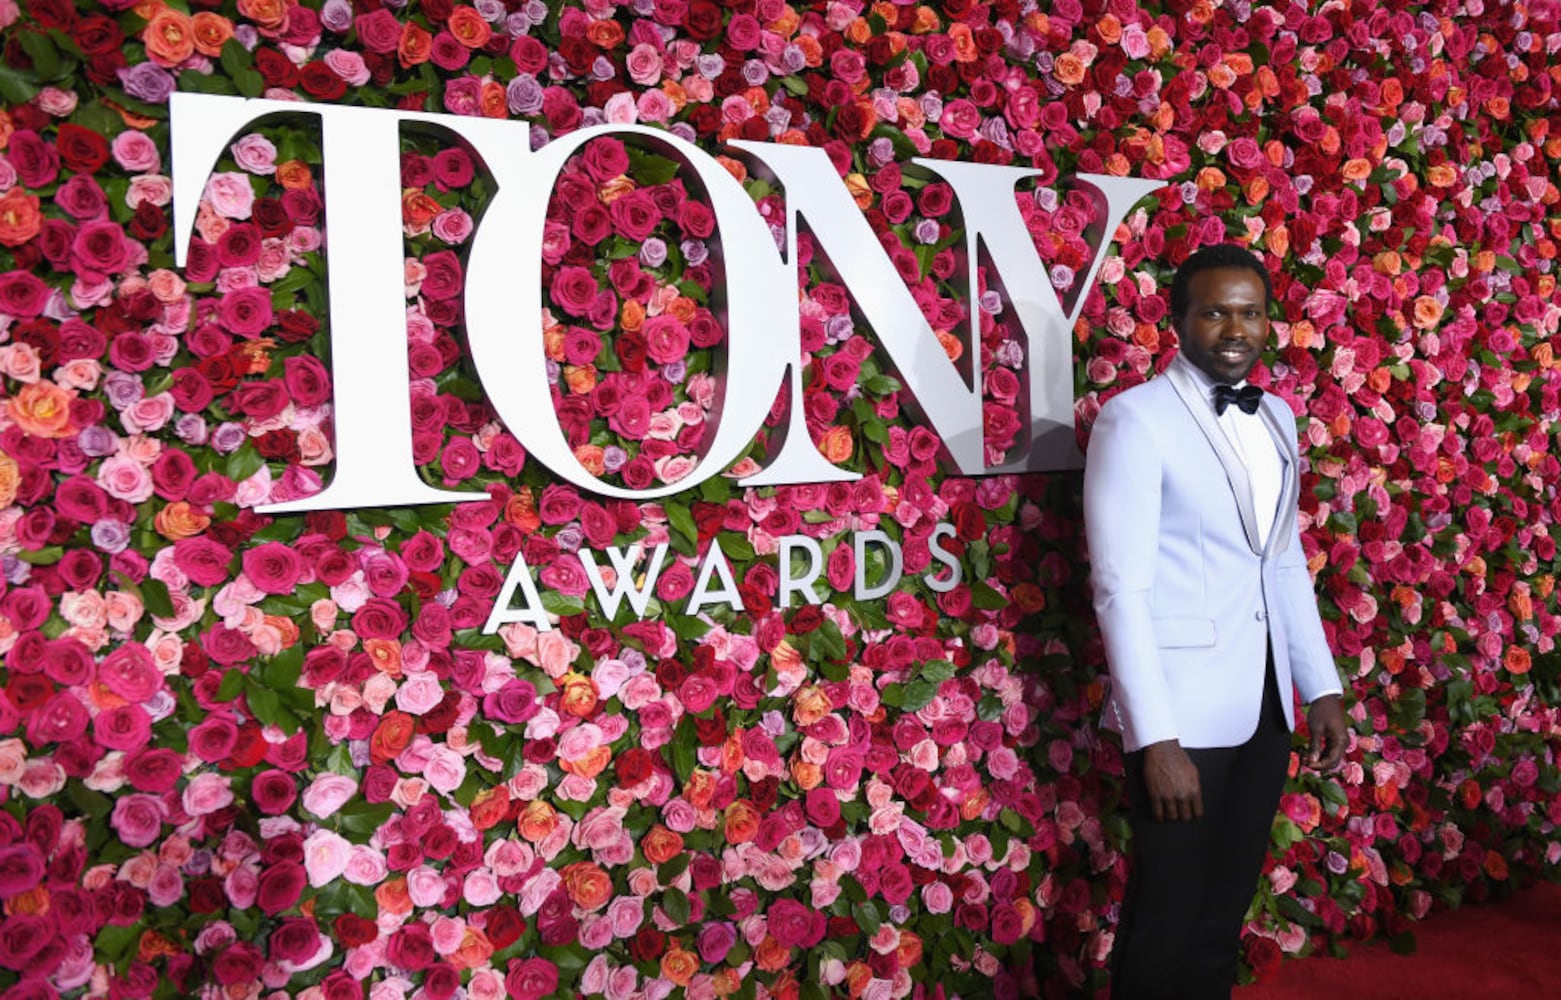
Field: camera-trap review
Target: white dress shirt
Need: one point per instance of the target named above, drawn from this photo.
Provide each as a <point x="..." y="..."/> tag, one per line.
<point x="1252" y="442"/>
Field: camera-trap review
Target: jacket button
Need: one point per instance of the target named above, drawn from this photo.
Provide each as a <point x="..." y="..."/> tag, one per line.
<point x="1259" y="615"/>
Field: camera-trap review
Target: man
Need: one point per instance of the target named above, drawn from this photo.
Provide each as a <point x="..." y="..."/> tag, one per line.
<point x="1208" y="615"/>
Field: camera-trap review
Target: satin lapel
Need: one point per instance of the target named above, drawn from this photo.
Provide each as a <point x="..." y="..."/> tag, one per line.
<point x="1290" y="489"/>
<point x="1235" y="471"/>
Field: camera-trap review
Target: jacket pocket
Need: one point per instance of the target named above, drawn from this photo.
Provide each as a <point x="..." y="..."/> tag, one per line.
<point x="1183" y="632"/>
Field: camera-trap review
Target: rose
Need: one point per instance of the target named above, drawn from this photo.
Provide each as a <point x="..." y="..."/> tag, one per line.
<point x="273" y="567"/>
<point x="280" y="887"/>
<point x="328" y="793"/>
<point x="530" y="979"/>
<point x="513" y="703"/>
<point x="137" y="819"/>
<point x="273" y="791"/>
<point x="203" y="560"/>
<point x="246" y="312"/>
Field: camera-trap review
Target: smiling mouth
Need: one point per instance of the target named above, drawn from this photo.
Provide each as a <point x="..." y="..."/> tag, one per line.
<point x="1232" y="354"/>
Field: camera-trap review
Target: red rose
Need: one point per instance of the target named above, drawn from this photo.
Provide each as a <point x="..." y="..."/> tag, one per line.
<point x="81" y="150"/>
<point x="275" y="68"/>
<point x="531" y="979"/>
<point x="318" y="81"/>
<point x="261" y="400"/>
<point x="280" y="887"/>
<point x="352" y="930"/>
<point x="97" y="35"/>
<point x="702" y="20"/>
<point x="295" y="940"/>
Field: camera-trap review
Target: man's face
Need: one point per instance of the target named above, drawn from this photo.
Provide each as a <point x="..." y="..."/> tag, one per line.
<point x="1226" y="323"/>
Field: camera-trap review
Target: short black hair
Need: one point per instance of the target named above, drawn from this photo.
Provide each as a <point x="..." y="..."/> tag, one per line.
<point x="1211" y="258"/>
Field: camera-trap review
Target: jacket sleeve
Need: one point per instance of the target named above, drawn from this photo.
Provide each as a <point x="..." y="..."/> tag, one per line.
<point x="1312" y="666"/>
<point x="1122" y="487"/>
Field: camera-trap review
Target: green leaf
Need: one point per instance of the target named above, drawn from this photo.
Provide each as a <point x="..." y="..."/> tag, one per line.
<point x="650" y="169"/>
<point x="232" y="684"/>
<point x="675" y="902"/>
<point x="919" y="694"/>
<point x="154" y="594"/>
<point x="867" y="917"/>
<point x="16" y="88"/>
<point x="684" y="749"/>
<point x="682" y="521"/>
<point x="828" y="641"/>
<point x="562" y="604"/>
<point x="41" y="557"/>
<point x="674" y="866"/>
<point x="45" y="57"/>
<point x="92" y="803"/>
<point x="937" y="670"/>
<point x="986" y="597"/>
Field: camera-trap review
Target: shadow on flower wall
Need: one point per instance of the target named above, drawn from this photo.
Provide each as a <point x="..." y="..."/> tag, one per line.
<point x="277" y="752"/>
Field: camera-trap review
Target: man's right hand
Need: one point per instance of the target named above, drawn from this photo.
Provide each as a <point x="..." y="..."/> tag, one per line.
<point x="1172" y="781"/>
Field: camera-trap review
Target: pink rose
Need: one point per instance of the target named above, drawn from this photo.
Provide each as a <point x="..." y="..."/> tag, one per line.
<point x="207" y="793"/>
<point x="328" y="793"/>
<point x="325" y="856"/>
<point x="246" y="311"/>
<point x="273" y="567"/>
<point x="666" y="339"/>
<point x="574" y="290"/>
<point x="229" y="193"/>
<point x="531" y="978"/>
<point x="138" y="819"/>
<point x="202" y="560"/>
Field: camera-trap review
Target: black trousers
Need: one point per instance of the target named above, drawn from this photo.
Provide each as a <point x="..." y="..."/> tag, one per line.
<point x="1190" y="883"/>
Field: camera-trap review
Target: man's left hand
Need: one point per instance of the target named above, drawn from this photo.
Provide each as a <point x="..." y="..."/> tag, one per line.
<point x="1325" y="719"/>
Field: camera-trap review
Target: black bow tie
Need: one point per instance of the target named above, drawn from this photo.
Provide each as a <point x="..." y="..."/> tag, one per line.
<point x="1248" y="397"/>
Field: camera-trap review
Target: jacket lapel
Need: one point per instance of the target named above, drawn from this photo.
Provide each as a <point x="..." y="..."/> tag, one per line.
<point x="1191" y="393"/>
<point x="1290" y="486"/>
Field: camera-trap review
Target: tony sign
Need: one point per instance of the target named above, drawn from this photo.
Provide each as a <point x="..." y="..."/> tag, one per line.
<point x="362" y="187"/>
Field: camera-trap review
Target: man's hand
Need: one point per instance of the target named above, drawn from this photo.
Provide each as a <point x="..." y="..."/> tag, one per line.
<point x="1171" y="779"/>
<point x="1325" y="719"/>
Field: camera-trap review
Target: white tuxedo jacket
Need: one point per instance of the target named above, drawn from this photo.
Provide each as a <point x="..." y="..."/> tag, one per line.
<point x="1186" y="597"/>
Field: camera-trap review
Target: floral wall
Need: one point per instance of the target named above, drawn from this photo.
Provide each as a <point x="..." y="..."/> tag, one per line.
<point x="266" y="754"/>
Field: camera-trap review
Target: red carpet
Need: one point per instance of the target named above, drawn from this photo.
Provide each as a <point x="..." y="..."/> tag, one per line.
<point x="1493" y="951"/>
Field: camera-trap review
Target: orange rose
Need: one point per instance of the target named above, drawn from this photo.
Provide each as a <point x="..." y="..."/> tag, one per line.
<point x="965" y="48"/>
<point x="589" y="766"/>
<point x="742" y="822"/>
<point x="20" y="219"/>
<point x="1517" y="661"/>
<point x="593" y="458"/>
<point x="632" y="315"/>
<point x="771" y="955"/>
<point x="418" y="209"/>
<point x="577" y="695"/>
<point x="489" y="807"/>
<point x="42" y="409"/>
<point x="385" y="654"/>
<point x="266" y="13"/>
<point x="179" y="520"/>
<point x="909" y="951"/>
<point x="468" y="27"/>
<point x="294" y="175"/>
<point x="807" y="775"/>
<point x="660" y="845"/>
<point x="392" y="896"/>
<point x="810" y="704"/>
<point x="679" y="965"/>
<point x="581" y="378"/>
<point x="699" y="789"/>
<point x="588" y="886"/>
<point x="836" y="444"/>
<point x="605" y="34"/>
<point x="10" y="474"/>
<point x="1068" y="69"/>
<point x="537" y="821"/>
<point x="474" y="950"/>
<point x="494" y="101"/>
<point x="209" y="32"/>
<point x="391" y="736"/>
<point x="415" y="45"/>
<point x="169" y="38"/>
